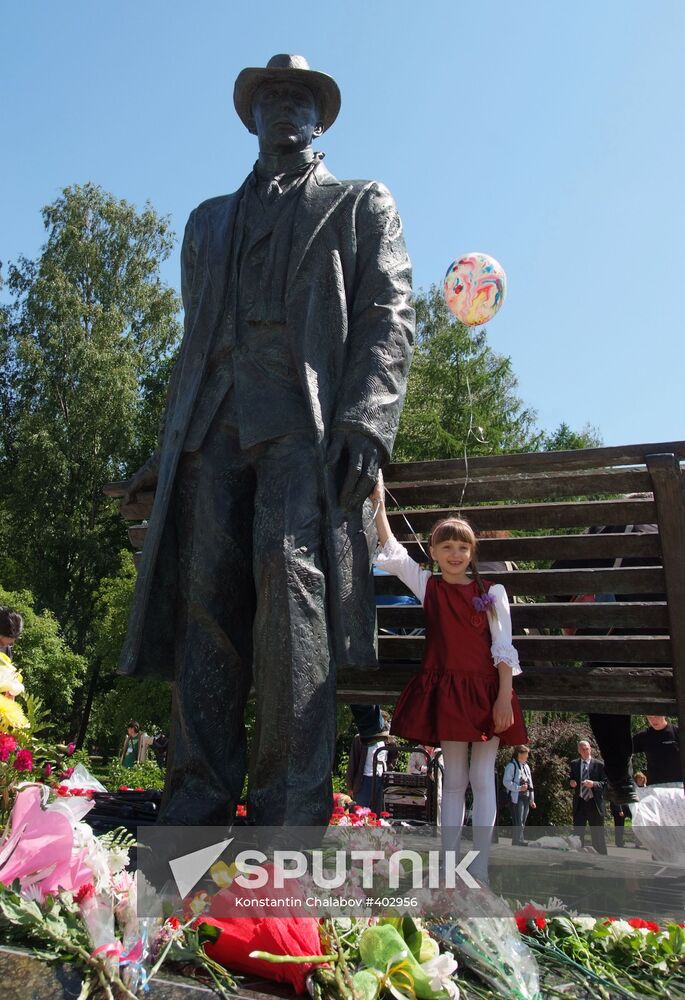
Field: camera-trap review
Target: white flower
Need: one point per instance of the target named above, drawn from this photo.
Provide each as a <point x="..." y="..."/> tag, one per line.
<point x="439" y="971"/>
<point x="429" y="949"/>
<point x="32" y="893"/>
<point x="584" y="923"/>
<point x="619" y="929"/>
<point x="117" y="859"/>
<point x="9" y="681"/>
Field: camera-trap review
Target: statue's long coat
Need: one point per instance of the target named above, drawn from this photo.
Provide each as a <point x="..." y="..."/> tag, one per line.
<point x="351" y="324"/>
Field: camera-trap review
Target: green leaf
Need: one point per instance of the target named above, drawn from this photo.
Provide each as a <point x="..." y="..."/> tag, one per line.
<point x="208" y="932"/>
<point x="366" y="984"/>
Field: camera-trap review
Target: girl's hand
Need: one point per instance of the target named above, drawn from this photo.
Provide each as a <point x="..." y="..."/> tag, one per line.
<point x="502" y="713"/>
<point x="533" y="806"/>
<point x="378" y="494"/>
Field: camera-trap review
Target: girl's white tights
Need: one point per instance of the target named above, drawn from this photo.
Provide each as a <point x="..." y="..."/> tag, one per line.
<point x="481" y="776"/>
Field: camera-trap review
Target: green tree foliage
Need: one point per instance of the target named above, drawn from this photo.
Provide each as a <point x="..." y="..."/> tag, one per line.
<point x="87" y="341"/>
<point x="565" y="439"/>
<point x="50" y="669"/>
<point x="120" y="699"/>
<point x="460" y="393"/>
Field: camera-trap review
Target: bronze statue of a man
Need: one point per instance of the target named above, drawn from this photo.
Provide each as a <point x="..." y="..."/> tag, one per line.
<point x="284" y="400"/>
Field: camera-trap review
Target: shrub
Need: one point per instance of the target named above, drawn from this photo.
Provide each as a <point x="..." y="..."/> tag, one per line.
<point x="148" y="775"/>
<point x="553" y="745"/>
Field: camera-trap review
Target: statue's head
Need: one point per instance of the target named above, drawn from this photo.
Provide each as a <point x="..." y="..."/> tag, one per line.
<point x="287" y="104"/>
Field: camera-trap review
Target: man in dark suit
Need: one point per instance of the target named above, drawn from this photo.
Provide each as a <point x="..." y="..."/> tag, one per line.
<point x="284" y="401"/>
<point x="588" y="779"/>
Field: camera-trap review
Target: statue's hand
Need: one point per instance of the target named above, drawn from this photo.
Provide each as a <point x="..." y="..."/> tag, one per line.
<point x="142" y="481"/>
<point x="360" y="457"/>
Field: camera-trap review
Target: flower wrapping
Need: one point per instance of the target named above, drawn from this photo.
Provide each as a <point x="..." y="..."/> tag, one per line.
<point x="281" y="936"/>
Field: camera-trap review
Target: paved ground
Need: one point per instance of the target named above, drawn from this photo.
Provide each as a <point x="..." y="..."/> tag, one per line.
<point x="626" y="882"/>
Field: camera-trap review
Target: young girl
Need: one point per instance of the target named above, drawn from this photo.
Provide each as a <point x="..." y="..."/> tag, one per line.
<point x="463" y="693"/>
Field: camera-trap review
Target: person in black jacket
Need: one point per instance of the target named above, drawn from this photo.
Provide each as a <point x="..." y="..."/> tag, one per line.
<point x="588" y="780"/>
<point x="660" y="742"/>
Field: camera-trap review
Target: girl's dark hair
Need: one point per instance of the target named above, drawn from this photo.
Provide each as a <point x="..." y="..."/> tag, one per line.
<point x="133" y="725"/>
<point x="11" y="623"/>
<point x="458" y="529"/>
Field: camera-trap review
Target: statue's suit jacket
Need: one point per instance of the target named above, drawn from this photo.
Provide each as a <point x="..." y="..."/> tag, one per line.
<point x="351" y="323"/>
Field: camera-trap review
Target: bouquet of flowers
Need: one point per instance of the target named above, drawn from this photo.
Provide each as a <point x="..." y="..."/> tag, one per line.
<point x="623" y="958"/>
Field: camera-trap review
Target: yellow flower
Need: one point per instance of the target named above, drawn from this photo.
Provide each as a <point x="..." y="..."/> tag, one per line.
<point x="199" y="903"/>
<point x="223" y="874"/>
<point x="11" y="714"/>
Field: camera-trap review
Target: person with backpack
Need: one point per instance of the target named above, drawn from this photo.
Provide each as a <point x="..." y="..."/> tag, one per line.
<point x="518" y="781"/>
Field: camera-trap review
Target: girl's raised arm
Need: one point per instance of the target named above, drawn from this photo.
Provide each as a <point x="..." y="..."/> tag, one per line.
<point x="392" y="556"/>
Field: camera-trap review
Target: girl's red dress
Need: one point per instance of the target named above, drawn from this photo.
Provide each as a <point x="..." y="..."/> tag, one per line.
<point x="451" y="697"/>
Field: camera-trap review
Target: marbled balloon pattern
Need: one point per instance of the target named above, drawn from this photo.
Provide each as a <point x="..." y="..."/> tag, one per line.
<point x="475" y="286"/>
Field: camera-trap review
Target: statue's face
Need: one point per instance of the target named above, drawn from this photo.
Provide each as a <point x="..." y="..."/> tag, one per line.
<point x="286" y="117"/>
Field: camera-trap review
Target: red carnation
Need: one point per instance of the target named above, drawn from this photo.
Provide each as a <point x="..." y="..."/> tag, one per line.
<point x="8" y="745"/>
<point x="530" y="916"/>
<point x="639" y="924"/>
<point x="23" y="761"/>
<point x="86" y="891"/>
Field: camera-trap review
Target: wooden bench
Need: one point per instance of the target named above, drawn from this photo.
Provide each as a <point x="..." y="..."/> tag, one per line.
<point x="545" y="501"/>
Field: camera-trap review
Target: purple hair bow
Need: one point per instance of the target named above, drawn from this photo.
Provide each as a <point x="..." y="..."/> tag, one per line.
<point x="484" y="602"/>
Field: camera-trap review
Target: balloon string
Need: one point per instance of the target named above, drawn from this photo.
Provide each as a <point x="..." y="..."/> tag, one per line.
<point x="406" y="521"/>
<point x="467" y="477"/>
<point x="466" y="441"/>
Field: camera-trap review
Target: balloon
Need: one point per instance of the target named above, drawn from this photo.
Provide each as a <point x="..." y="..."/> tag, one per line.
<point x="475" y="286"/>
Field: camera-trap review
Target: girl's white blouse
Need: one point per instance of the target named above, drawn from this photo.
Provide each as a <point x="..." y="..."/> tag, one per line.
<point x="394" y="558"/>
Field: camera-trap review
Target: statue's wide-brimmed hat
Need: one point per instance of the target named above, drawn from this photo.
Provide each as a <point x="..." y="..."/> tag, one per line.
<point x="292" y="69"/>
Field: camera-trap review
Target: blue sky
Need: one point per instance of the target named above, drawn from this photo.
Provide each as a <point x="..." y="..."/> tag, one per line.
<point x="548" y="134"/>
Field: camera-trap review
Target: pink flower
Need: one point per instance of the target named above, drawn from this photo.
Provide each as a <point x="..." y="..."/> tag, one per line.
<point x="23" y="761"/>
<point x="67" y="774"/>
<point x="7" y="745"/>
<point x="70" y="749"/>
<point x="47" y="770"/>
